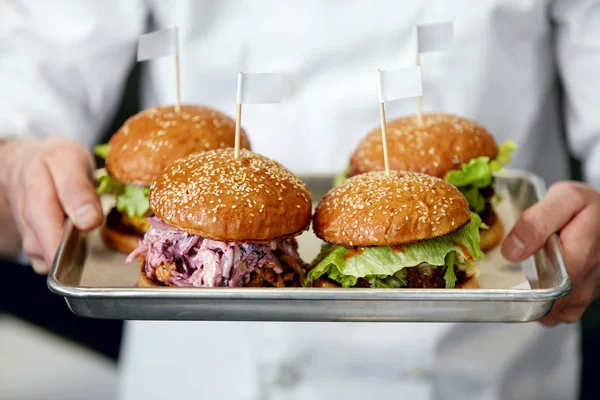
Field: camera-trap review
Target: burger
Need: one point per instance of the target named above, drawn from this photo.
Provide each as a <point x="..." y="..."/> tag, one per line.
<point x="224" y="221"/>
<point x="141" y="149"/>
<point x="403" y="230"/>
<point x="446" y="146"/>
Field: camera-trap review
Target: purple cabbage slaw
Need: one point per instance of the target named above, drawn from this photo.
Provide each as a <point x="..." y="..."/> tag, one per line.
<point x="203" y="262"/>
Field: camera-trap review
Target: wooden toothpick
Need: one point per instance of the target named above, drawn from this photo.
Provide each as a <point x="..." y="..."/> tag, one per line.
<point x="384" y="135"/>
<point x="238" y="118"/>
<point x="177" y="90"/>
<point x="384" y="138"/>
<point x="419" y="98"/>
<point x="177" y="86"/>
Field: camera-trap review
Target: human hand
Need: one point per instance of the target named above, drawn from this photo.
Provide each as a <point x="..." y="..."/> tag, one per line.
<point x="573" y="210"/>
<point x="44" y="180"/>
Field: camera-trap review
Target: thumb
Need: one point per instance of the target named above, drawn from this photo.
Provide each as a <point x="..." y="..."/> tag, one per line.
<point x="530" y="233"/>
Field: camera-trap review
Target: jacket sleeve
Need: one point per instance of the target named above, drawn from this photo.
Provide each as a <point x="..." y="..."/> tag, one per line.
<point x="577" y="24"/>
<point x="63" y="65"/>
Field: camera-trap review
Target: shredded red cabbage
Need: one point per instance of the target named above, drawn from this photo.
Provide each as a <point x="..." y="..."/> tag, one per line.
<point x="203" y="262"/>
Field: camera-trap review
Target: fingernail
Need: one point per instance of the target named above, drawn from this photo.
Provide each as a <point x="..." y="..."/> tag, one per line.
<point x="39" y="266"/>
<point x="86" y="215"/>
<point x="515" y="248"/>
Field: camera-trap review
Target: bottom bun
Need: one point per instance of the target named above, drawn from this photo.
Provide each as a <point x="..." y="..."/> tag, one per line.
<point x="491" y="237"/>
<point x="144" y="281"/>
<point x="471" y="283"/>
<point x="117" y="240"/>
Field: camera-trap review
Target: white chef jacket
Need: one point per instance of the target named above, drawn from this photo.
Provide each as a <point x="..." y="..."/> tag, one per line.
<point x="62" y="69"/>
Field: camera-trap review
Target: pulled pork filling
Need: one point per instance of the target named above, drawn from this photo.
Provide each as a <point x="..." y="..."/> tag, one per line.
<point x="178" y="258"/>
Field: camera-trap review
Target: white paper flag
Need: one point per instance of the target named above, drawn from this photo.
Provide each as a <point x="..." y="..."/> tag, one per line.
<point x="399" y="83"/>
<point x="157" y="44"/>
<point x="258" y="88"/>
<point x="434" y="37"/>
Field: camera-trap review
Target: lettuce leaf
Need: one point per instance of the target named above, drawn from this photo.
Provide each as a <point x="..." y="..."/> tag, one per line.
<point x="108" y="185"/>
<point x="134" y="201"/>
<point x="478" y="172"/>
<point x="449" y="275"/>
<point x="332" y="266"/>
<point x="388" y="282"/>
<point x="504" y="155"/>
<point x="384" y="261"/>
<point x="475" y="173"/>
<point x="101" y="150"/>
<point x="474" y="198"/>
<point x="341" y="177"/>
<point x="131" y="199"/>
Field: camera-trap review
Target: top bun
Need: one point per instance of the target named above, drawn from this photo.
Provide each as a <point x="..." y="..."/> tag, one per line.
<point x="153" y="139"/>
<point x="251" y="199"/>
<point x="374" y="209"/>
<point x="442" y="144"/>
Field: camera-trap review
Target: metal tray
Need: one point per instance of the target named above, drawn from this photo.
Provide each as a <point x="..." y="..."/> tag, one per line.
<point x="96" y="283"/>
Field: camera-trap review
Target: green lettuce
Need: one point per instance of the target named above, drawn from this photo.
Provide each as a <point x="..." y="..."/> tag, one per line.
<point x="376" y="264"/>
<point x="108" y="185"/>
<point x="504" y="155"/>
<point x="131" y="199"/>
<point x="332" y="266"/>
<point x="474" y="198"/>
<point x="134" y="201"/>
<point x="101" y="150"/>
<point x="478" y="174"/>
<point x="449" y="275"/>
<point x="388" y="282"/>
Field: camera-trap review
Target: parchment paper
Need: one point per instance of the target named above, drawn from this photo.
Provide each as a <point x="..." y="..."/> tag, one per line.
<point x="107" y="268"/>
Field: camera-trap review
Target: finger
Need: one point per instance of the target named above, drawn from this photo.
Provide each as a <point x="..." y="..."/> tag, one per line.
<point x="33" y="249"/>
<point x="39" y="265"/>
<point x="571" y="307"/>
<point x="58" y="143"/>
<point x="568" y="315"/>
<point x="42" y="213"/>
<point x="536" y="224"/>
<point x="71" y="173"/>
<point x="30" y="244"/>
<point x="579" y="241"/>
<point x="552" y="318"/>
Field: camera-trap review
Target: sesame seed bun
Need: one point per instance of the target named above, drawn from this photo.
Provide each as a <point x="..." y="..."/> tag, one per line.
<point x="252" y="199"/>
<point x="438" y="146"/>
<point x="151" y="140"/>
<point x="470" y="283"/>
<point x="374" y="209"/>
<point x="490" y="238"/>
<point x="118" y="239"/>
<point x="144" y="281"/>
<point x="122" y="233"/>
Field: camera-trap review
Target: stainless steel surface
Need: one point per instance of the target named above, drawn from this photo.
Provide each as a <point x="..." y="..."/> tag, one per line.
<point x="550" y="281"/>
